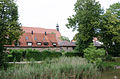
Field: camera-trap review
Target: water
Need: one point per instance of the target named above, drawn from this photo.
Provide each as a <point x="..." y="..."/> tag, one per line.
<point x="111" y="74"/>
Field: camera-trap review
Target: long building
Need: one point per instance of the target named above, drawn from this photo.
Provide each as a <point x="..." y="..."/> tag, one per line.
<point x="42" y="39"/>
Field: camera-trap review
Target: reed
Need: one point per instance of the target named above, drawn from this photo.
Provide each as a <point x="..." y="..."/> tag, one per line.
<point x="58" y="68"/>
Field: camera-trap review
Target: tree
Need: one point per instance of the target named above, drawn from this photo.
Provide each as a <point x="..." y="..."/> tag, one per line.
<point x="115" y="9"/>
<point x="85" y="21"/>
<point x="10" y="29"/>
<point x="63" y="38"/>
<point x="110" y="32"/>
<point x="94" y="55"/>
<point x="75" y="37"/>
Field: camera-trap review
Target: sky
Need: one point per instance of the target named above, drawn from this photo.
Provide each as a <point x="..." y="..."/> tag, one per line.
<point x="47" y="13"/>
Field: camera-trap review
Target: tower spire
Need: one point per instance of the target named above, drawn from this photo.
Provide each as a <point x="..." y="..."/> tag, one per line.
<point x="57" y="27"/>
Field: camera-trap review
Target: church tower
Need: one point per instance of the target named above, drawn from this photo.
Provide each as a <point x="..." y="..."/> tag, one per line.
<point x="57" y="27"/>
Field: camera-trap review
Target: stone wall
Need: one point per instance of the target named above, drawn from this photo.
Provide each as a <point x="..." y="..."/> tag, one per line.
<point x="67" y="49"/>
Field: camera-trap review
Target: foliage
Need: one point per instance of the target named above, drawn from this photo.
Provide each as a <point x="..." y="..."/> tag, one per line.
<point x="28" y="54"/>
<point x="110" y="29"/>
<point x="9" y="27"/>
<point x="72" y="54"/>
<point x="59" y="68"/>
<point x="17" y="55"/>
<point x="33" y="54"/>
<point x="63" y="38"/>
<point x="75" y="37"/>
<point x="85" y="20"/>
<point x="115" y="9"/>
<point x="94" y="55"/>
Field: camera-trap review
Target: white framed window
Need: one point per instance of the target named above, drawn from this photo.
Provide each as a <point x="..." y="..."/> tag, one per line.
<point x="29" y="43"/>
<point x="54" y="44"/>
<point x="39" y="43"/>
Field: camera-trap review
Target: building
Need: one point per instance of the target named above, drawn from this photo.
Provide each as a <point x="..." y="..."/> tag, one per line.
<point x="96" y="42"/>
<point x="41" y="39"/>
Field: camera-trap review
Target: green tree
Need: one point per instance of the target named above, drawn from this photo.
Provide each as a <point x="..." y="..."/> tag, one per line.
<point x="75" y="37"/>
<point x="85" y="20"/>
<point x="64" y="38"/>
<point x="10" y="29"/>
<point x="94" y="55"/>
<point x="115" y="9"/>
<point x="110" y="32"/>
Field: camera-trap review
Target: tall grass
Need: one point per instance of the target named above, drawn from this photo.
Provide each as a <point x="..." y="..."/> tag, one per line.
<point x="59" y="68"/>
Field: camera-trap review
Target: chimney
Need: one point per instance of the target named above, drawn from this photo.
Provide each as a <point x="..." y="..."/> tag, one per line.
<point x="32" y="32"/>
<point x="45" y="33"/>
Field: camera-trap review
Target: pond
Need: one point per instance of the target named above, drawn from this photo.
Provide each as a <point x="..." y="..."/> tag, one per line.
<point x="111" y="74"/>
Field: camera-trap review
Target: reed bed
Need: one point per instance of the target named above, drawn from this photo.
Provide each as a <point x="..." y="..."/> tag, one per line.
<point x="58" y="68"/>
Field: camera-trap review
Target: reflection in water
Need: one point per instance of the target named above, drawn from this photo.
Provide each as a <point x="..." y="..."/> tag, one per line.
<point x="111" y="74"/>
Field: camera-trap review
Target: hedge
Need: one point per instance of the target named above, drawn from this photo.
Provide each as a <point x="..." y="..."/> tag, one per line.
<point x="28" y="54"/>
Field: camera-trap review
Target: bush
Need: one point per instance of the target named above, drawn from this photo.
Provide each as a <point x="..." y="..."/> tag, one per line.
<point x="35" y="54"/>
<point x="50" y="54"/>
<point x="108" y="58"/>
<point x="16" y="55"/>
<point x="94" y="55"/>
<point x="22" y="54"/>
<point x="71" y="54"/>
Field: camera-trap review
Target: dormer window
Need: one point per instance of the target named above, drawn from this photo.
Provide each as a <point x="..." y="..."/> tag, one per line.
<point x="54" y="44"/>
<point x="29" y="43"/>
<point x="39" y="43"/>
<point x="45" y="43"/>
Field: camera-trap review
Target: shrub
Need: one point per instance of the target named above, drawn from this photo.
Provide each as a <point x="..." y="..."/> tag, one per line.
<point x="55" y="54"/>
<point x="108" y="58"/>
<point x="22" y="54"/>
<point x="35" y="54"/>
<point x="71" y="54"/>
<point x="46" y="54"/>
<point x="94" y="55"/>
<point x="17" y="55"/>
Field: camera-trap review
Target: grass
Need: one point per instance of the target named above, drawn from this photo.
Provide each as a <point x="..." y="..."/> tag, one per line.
<point x="58" y="68"/>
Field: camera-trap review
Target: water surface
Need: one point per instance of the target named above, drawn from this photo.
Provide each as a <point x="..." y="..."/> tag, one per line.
<point x="111" y="74"/>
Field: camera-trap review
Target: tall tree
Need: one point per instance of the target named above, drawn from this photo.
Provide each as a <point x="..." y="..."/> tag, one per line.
<point x="115" y="9"/>
<point x="10" y="29"/>
<point x="110" y="30"/>
<point x="85" y="21"/>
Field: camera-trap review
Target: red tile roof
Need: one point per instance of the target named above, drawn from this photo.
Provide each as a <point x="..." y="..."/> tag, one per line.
<point x="37" y="37"/>
<point x="52" y="36"/>
<point x="36" y="34"/>
<point x="42" y="30"/>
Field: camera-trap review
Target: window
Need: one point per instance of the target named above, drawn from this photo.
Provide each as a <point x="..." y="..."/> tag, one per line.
<point x="54" y="44"/>
<point x="39" y="43"/>
<point x="29" y="43"/>
<point x="45" y="43"/>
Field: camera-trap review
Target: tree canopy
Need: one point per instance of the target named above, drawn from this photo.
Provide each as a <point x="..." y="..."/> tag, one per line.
<point x="85" y="21"/>
<point x="10" y="29"/>
<point x="110" y="30"/>
<point x="91" y="21"/>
